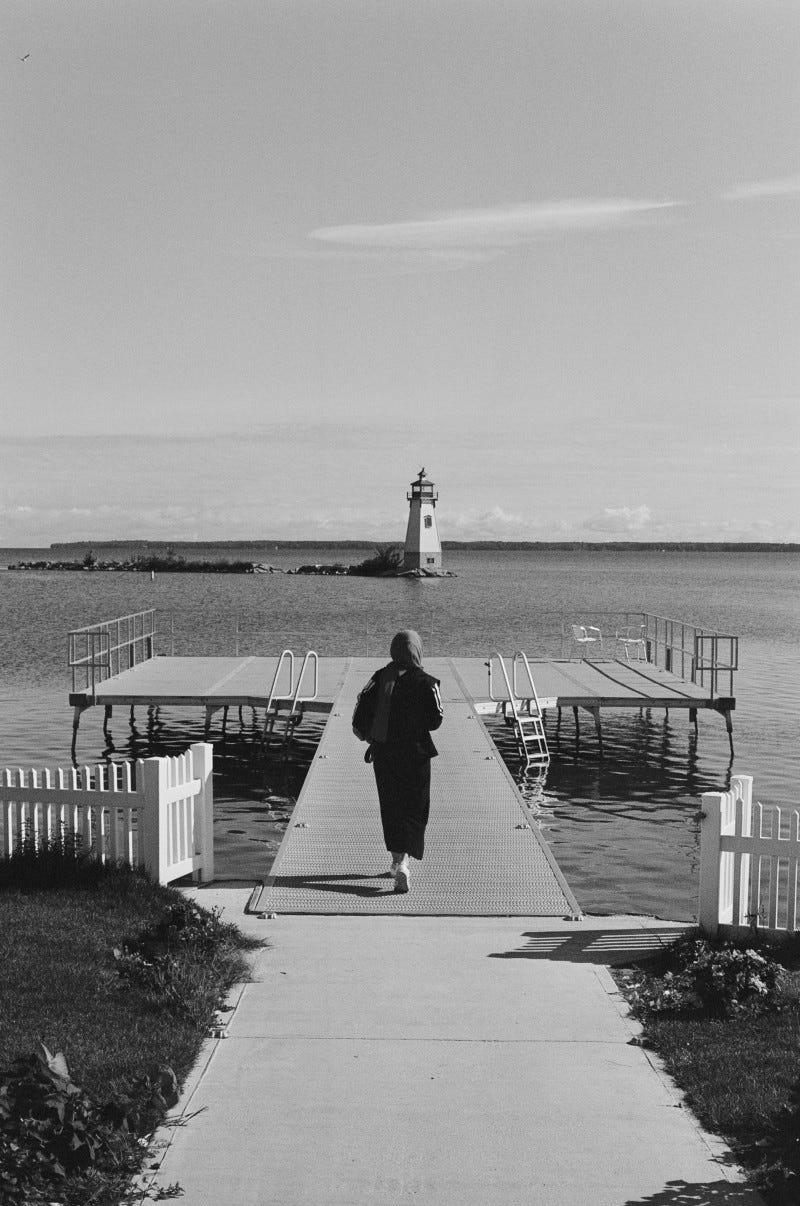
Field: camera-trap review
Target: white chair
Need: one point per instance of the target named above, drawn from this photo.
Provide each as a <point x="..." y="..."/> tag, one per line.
<point x="633" y="638"/>
<point x="586" y="634"/>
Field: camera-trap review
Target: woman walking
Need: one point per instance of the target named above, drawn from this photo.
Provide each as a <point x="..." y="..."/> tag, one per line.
<point x="396" y="712"/>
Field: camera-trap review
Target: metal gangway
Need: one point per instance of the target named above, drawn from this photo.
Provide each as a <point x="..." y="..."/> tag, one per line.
<point x="521" y="710"/>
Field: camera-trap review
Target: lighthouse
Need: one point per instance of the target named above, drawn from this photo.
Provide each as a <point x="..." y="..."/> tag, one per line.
<point x="422" y="548"/>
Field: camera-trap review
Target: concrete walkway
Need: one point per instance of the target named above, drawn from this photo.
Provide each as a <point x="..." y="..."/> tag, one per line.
<point x="442" y="1061"/>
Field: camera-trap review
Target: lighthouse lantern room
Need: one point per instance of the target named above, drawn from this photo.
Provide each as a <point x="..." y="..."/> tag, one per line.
<point x="422" y="547"/>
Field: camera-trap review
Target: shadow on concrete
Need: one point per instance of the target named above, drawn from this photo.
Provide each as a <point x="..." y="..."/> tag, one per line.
<point x="691" y="1193"/>
<point x="610" y="947"/>
<point x="347" y="885"/>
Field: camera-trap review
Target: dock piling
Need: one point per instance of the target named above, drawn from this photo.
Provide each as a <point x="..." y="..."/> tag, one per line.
<point x="598" y="729"/>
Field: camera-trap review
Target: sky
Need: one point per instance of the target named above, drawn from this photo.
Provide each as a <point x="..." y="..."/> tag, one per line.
<point x="262" y="260"/>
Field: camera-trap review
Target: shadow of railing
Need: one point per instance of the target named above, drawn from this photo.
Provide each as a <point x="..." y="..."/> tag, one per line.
<point x="610" y="947"/>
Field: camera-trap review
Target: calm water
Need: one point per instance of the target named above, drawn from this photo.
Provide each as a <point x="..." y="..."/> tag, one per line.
<point x="624" y="829"/>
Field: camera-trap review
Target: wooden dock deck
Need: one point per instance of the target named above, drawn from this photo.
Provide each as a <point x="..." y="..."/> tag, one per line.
<point x="215" y="683"/>
<point x="483" y="857"/>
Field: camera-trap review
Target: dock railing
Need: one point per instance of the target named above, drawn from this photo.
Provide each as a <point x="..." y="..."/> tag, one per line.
<point x="102" y="650"/>
<point x="694" y="654"/>
<point x="749" y="864"/>
<point x="699" y="655"/>
<point x="156" y="813"/>
<point x="690" y="652"/>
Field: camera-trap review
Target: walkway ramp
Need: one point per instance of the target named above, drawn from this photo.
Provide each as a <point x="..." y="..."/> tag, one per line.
<point x="482" y="856"/>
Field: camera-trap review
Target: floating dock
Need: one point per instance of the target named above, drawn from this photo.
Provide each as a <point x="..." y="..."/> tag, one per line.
<point x="216" y="683"/>
<point x="675" y="665"/>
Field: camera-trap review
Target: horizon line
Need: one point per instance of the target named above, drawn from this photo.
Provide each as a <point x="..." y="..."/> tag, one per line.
<point x="451" y="545"/>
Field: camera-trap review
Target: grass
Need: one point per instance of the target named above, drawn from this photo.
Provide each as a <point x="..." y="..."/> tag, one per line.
<point x="115" y="1017"/>
<point x="739" y="1068"/>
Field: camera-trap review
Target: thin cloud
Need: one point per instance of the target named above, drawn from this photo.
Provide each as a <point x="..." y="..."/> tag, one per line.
<point x="783" y="186"/>
<point x="619" y="519"/>
<point x="499" y="228"/>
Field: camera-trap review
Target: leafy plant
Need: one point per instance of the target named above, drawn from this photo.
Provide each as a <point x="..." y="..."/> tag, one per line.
<point x="718" y="980"/>
<point x="54" y="1137"/>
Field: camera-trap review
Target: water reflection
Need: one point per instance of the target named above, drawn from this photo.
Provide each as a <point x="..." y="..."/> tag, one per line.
<point x="624" y="827"/>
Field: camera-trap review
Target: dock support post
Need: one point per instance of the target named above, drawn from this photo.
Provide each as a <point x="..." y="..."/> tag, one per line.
<point x="577" y="722"/>
<point x="598" y="729"/>
<point x="78" y="709"/>
<point x="207" y="728"/>
<point x="106" y="718"/>
<point x="224" y="719"/>
<point x="693" y="718"/>
<point x="133" y="713"/>
<point x="729" y="727"/>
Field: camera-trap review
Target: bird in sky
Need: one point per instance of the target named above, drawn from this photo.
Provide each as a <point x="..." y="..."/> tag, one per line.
<point x="25" y="56"/>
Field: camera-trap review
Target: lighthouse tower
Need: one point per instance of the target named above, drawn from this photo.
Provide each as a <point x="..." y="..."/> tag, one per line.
<point x="422" y="547"/>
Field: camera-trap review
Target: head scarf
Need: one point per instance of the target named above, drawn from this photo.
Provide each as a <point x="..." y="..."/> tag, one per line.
<point x="406" y="649"/>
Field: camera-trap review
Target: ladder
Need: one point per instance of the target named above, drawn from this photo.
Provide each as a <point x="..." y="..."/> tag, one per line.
<point x="521" y="711"/>
<point x="291" y="701"/>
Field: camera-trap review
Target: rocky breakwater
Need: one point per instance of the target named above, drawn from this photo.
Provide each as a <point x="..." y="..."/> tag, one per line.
<point x="142" y="565"/>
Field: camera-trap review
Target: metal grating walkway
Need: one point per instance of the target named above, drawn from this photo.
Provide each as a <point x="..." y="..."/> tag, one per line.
<point x="481" y="858"/>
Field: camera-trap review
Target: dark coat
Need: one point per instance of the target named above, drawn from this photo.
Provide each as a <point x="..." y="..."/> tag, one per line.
<point x="402" y="763"/>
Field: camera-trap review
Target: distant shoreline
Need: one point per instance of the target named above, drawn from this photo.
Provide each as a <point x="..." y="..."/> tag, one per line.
<point x="643" y="546"/>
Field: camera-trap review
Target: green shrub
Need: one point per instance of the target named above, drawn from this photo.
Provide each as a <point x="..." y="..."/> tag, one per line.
<point x="57" y="1142"/>
<point x="387" y="559"/>
<point x="717" y="980"/>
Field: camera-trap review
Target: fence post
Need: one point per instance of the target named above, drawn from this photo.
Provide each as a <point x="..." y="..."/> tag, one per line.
<point x="742" y="787"/>
<point x="710" y="834"/>
<point x="152" y="817"/>
<point x="202" y="767"/>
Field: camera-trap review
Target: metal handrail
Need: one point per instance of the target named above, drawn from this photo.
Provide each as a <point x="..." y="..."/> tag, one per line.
<point x="511" y="697"/>
<point x="522" y="658"/>
<point x="273" y="695"/>
<point x="99" y="651"/>
<point x="310" y="658"/>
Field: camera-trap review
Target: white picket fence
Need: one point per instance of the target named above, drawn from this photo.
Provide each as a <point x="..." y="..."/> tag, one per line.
<point x="749" y="859"/>
<point x="157" y="814"/>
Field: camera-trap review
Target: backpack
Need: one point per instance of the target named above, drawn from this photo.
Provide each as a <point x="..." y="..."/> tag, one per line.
<point x="364" y="713"/>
